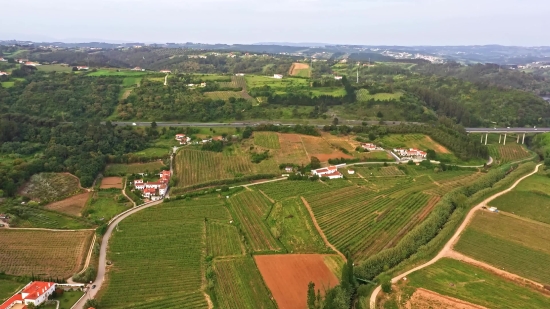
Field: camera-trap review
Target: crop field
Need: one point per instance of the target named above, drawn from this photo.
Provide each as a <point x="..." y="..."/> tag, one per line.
<point x="374" y="216"/>
<point x="250" y="209"/>
<point x="287" y="276"/>
<point x="55" y="68"/>
<point x="475" y="285"/>
<point x="254" y="81"/>
<point x="173" y="235"/>
<point x="159" y="152"/>
<point x="71" y="206"/>
<point x="111" y="182"/>
<point x="7" y="84"/>
<point x="240" y="285"/>
<point x="51" y="187"/>
<point x="43" y="218"/>
<point x="300" y="69"/>
<point x="420" y="141"/>
<point x="290" y="219"/>
<point x="223" y="240"/>
<point x="125" y="169"/>
<point x="320" y="148"/>
<point x="375" y="155"/>
<point x="225" y="95"/>
<point x="195" y="166"/>
<point x="292" y="150"/>
<point x="508" y="153"/>
<point x="113" y="72"/>
<point x="387" y="171"/>
<point x="105" y="204"/>
<point x="363" y="95"/>
<point x="530" y="199"/>
<point x="44" y="253"/>
<point x="268" y="140"/>
<point x="516" y="245"/>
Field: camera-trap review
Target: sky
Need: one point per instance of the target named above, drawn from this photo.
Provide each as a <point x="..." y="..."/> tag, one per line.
<point x="365" y="22"/>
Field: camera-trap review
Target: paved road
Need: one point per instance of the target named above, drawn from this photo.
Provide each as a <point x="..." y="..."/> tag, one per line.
<point x="507" y="130"/>
<point x="247" y="123"/>
<point x="450" y="244"/>
<point x="103" y="255"/>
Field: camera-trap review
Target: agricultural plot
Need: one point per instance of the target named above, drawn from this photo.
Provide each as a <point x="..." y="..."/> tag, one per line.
<point x="250" y="209"/>
<point x="55" y="68"/>
<point x="420" y="141"/>
<point x="225" y="95"/>
<point x="290" y="220"/>
<point x="125" y="169"/>
<point x="268" y="140"/>
<point x="223" y="240"/>
<point x="292" y="150"/>
<point x="51" y="187"/>
<point x="530" y="199"/>
<point x="239" y="285"/>
<point x="508" y="153"/>
<point x="33" y="217"/>
<point x="387" y="171"/>
<point x="111" y="182"/>
<point x="105" y="204"/>
<point x="375" y="156"/>
<point x="195" y="166"/>
<point x="43" y="253"/>
<point x="363" y="95"/>
<point x="287" y="276"/>
<point x="475" y="285"/>
<point x="71" y="206"/>
<point x="300" y="69"/>
<point x="116" y="72"/>
<point x="285" y="189"/>
<point x="173" y="235"/>
<point x="320" y="148"/>
<point x="514" y="244"/>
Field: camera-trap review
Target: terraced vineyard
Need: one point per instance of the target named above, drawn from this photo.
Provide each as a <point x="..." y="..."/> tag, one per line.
<point x="267" y="140"/>
<point x="195" y="166"/>
<point x="248" y="289"/>
<point x="250" y="209"/>
<point x="173" y="236"/>
<point x="367" y="216"/>
<point x="387" y="171"/>
<point x="508" y="153"/>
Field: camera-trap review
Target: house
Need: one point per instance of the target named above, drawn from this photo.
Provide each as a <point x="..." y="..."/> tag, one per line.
<point x="203" y="85"/>
<point x="32" y="64"/>
<point x="138" y="69"/>
<point x="153" y="185"/>
<point x="138" y="184"/>
<point x="162" y="190"/>
<point x="165" y="176"/>
<point x="331" y="172"/>
<point x="165" y="71"/>
<point x="82" y="68"/>
<point x="239" y="74"/>
<point x="22" y="60"/>
<point x="3" y="73"/>
<point x="278" y="76"/>
<point x="410" y="153"/>
<point x="351" y="172"/>
<point x="148" y="192"/>
<point x="493" y="209"/>
<point x="3" y="60"/>
<point x="338" y="77"/>
<point x="190" y="85"/>
<point x="369" y="146"/>
<point x="4" y="217"/>
<point x="35" y="293"/>
<point x="206" y="140"/>
<point x="289" y="169"/>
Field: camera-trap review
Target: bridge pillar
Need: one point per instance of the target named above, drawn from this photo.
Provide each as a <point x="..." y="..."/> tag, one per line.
<point x="517" y="142"/>
<point x="499" y="138"/>
<point x="523" y="139"/>
<point x="504" y="138"/>
<point x="486" y="134"/>
<point x="482" y="138"/>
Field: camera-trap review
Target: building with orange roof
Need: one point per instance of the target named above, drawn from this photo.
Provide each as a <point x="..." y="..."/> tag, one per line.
<point x="36" y="293"/>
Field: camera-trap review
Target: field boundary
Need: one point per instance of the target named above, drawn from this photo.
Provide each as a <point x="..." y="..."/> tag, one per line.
<point x="454" y="239"/>
<point x="321" y="233"/>
<point x="89" y="256"/>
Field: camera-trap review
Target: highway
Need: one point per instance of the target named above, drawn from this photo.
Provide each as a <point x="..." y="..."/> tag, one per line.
<point x="507" y="130"/>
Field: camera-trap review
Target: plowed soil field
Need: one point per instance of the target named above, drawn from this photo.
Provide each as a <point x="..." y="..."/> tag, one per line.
<point x="111" y="182"/>
<point x="288" y="275"/>
<point x="71" y="206"/>
<point x="424" y="299"/>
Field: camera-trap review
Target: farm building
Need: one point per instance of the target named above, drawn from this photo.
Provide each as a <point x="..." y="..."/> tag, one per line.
<point x="138" y="184"/>
<point x="203" y="85"/>
<point x="138" y="69"/>
<point x="410" y="153"/>
<point x="331" y="172"/>
<point x="289" y="169"/>
<point x="149" y="189"/>
<point x="371" y="147"/>
<point x="165" y="71"/>
<point x="183" y="139"/>
<point x="239" y="74"/>
<point x="338" y="77"/>
<point x="3" y="60"/>
<point x="82" y="68"/>
<point x="32" y="64"/>
<point x="493" y="209"/>
<point x="278" y="76"/>
<point x="35" y="293"/>
<point x="3" y="73"/>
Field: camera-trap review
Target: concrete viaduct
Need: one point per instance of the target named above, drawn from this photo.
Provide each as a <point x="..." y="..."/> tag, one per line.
<point x="506" y="131"/>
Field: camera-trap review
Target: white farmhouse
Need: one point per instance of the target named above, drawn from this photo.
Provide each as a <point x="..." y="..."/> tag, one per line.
<point x="278" y="76"/>
<point x="36" y="293"/>
<point x="331" y="172"/>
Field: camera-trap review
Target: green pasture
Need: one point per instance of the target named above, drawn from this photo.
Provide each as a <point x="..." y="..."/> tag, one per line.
<point x="105" y="204"/>
<point x="114" y="72"/>
<point x="55" y="68"/>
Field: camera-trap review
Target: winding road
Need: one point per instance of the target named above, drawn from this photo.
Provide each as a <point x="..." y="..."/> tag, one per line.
<point x="448" y="248"/>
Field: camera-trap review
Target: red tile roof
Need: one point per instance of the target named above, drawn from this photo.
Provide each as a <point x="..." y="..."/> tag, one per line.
<point x="11" y="300"/>
<point x="36" y="289"/>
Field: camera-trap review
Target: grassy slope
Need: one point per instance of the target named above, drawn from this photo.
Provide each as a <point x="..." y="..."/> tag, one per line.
<point x="472" y="284"/>
<point x="8" y="288"/>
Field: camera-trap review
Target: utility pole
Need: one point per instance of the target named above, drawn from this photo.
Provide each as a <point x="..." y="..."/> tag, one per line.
<point x="357" y="74"/>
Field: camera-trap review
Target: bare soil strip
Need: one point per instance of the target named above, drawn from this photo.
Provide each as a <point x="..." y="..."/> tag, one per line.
<point x="423" y="298"/>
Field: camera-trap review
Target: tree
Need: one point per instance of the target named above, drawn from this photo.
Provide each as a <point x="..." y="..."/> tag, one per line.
<point x="154" y="125"/>
<point x="92" y="303"/>
<point x="372" y="136"/>
<point x="379" y="114"/>
<point x="430" y="154"/>
<point x="315" y="163"/>
<point x="311" y="295"/>
<point x="335" y="121"/>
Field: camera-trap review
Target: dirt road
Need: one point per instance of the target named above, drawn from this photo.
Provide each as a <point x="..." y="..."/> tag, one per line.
<point x="447" y="249"/>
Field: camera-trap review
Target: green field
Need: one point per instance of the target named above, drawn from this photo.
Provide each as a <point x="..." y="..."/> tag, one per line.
<point x="121" y="72"/>
<point x="364" y="96"/>
<point x="508" y="153"/>
<point x="7" y="84"/>
<point x="8" y="287"/>
<point x="33" y="217"/>
<point x="67" y="300"/>
<point x="376" y="213"/>
<point x="55" y="68"/>
<point x="268" y="140"/>
<point x="250" y="209"/>
<point x="153" y="152"/>
<point x="247" y="289"/>
<point x="124" y="169"/>
<point x="513" y="244"/>
<point x="530" y="199"/>
<point x="131" y="81"/>
<point x="105" y="204"/>
<point x="173" y="235"/>
<point x="225" y="95"/>
<point x="460" y="280"/>
<point x="223" y="239"/>
<point x="290" y="219"/>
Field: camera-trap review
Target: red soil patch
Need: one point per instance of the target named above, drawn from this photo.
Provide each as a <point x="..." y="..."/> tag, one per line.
<point x="292" y="138"/>
<point x="296" y="67"/>
<point x="111" y="182"/>
<point x="422" y="298"/>
<point x="288" y="275"/>
<point x="71" y="206"/>
<point x="335" y="155"/>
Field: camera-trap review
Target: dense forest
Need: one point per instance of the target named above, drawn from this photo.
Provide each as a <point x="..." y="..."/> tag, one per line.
<point x="32" y="145"/>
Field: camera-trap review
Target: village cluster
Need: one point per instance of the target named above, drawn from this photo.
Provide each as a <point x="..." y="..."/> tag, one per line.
<point x="154" y="191"/>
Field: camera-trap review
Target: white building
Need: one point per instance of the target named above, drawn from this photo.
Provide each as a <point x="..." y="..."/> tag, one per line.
<point x="36" y="293"/>
<point x="278" y="76"/>
<point x="331" y="172"/>
<point x="3" y="60"/>
<point x="239" y="74"/>
<point x="371" y="147"/>
<point x="3" y="73"/>
<point x="351" y="172"/>
<point x="82" y="68"/>
<point x="410" y="153"/>
<point x="138" y="184"/>
<point x="337" y="77"/>
<point x="165" y="71"/>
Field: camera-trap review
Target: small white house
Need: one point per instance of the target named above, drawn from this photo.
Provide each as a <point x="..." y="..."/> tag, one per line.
<point x="239" y="74"/>
<point x="351" y="172"/>
<point x="278" y="76"/>
<point x="165" y="71"/>
<point x="331" y="172"/>
<point x="338" y="77"/>
<point x="289" y="169"/>
<point x="3" y="73"/>
<point x="493" y="209"/>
